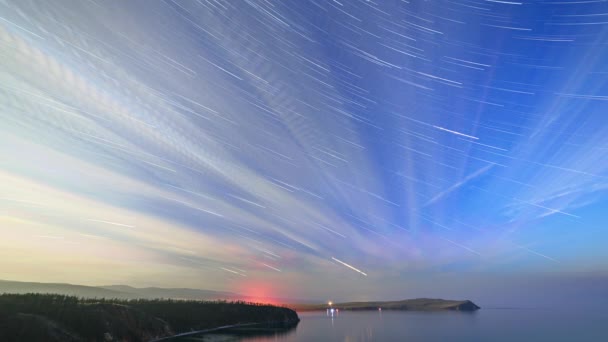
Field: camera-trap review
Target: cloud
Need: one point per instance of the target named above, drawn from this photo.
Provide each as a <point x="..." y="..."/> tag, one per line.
<point x="169" y="143"/>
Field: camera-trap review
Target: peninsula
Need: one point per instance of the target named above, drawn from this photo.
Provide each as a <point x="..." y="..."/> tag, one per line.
<point x="55" y="318"/>
<point x="419" y="304"/>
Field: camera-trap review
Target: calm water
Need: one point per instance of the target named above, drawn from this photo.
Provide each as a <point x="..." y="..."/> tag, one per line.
<point x="483" y="325"/>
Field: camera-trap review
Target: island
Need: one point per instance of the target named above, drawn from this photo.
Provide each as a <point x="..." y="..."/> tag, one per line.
<point x="55" y="318"/>
<point x="418" y="304"/>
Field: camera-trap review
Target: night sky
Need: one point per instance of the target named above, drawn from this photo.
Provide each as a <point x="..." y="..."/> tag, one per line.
<point x="305" y="149"/>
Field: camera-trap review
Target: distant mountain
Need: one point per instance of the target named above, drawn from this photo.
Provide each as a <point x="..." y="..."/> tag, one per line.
<point x="176" y="293"/>
<point x="129" y="292"/>
<point x="419" y="304"/>
<point x="19" y="287"/>
<point x="112" y="291"/>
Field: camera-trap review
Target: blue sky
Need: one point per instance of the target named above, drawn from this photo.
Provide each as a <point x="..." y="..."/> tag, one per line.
<point x="281" y="147"/>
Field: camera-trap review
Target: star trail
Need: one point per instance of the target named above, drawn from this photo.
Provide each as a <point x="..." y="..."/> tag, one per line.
<point x="292" y="145"/>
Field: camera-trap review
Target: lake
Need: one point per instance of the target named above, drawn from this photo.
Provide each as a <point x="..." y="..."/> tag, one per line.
<point x="482" y="325"/>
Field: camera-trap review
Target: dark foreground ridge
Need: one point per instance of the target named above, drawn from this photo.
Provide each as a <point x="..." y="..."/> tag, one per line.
<point x="419" y="304"/>
<point x="54" y="318"/>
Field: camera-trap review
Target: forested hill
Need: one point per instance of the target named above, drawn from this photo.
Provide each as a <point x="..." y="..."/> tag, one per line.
<point x="54" y="318"/>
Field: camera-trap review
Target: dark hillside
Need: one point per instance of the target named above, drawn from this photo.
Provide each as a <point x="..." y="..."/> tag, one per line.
<point x="46" y="317"/>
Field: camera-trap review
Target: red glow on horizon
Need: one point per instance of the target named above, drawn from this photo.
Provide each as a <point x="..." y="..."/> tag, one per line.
<point x="260" y="292"/>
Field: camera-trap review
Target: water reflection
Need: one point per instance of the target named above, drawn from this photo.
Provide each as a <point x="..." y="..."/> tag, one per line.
<point x="332" y="312"/>
<point x="413" y="326"/>
<point x="249" y="333"/>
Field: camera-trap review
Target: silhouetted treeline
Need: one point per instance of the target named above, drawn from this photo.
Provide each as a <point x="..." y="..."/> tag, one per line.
<point x="48" y="317"/>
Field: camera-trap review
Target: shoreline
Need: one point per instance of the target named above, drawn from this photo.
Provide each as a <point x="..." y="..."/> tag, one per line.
<point x="418" y="304"/>
<point x="391" y="309"/>
<point x="190" y="333"/>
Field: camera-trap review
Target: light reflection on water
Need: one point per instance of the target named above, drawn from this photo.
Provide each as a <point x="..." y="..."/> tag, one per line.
<point x="242" y="334"/>
<point x="482" y="325"/>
